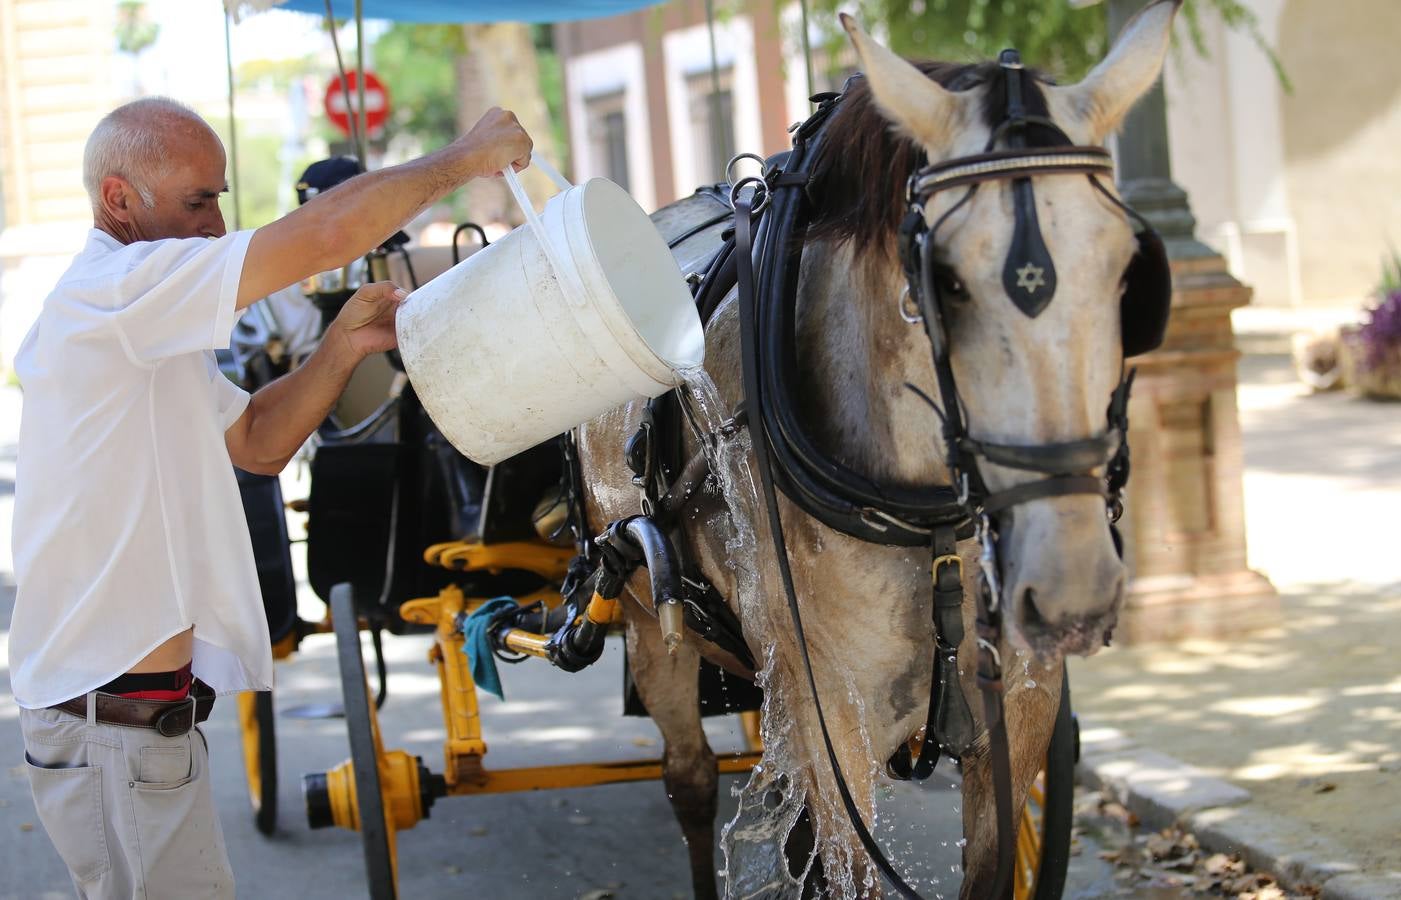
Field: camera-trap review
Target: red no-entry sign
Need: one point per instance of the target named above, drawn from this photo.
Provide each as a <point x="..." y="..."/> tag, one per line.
<point x="339" y="108"/>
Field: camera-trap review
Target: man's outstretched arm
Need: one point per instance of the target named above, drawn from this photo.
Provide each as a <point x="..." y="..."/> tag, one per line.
<point x="355" y="217"/>
<point x="283" y="414"/>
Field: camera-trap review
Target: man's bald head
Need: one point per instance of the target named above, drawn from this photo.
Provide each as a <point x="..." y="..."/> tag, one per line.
<point x="150" y="153"/>
<point x="135" y="142"/>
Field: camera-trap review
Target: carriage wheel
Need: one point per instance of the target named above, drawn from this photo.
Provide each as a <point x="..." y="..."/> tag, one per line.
<point x="1043" y="838"/>
<point x="255" y="719"/>
<point x="365" y="748"/>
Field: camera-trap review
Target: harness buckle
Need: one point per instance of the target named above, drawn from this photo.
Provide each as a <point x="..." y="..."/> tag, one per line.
<point x="951" y="559"/>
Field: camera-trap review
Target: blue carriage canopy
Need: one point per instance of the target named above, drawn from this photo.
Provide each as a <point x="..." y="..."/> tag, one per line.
<point x="460" y="10"/>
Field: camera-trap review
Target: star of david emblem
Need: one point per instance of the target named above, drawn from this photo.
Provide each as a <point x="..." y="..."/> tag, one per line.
<point x="1031" y="277"/>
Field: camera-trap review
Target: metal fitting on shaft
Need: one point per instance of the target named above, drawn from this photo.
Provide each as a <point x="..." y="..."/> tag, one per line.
<point x="672" y="618"/>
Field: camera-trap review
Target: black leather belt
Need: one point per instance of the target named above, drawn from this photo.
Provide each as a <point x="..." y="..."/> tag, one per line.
<point x="170" y="718"/>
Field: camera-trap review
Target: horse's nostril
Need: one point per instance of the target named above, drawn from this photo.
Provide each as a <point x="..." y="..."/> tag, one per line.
<point x="1031" y="616"/>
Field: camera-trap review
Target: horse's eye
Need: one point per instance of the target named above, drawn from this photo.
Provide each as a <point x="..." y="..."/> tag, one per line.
<point x="950" y="285"/>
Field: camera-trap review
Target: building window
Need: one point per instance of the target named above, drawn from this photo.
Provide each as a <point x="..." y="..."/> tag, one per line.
<point x="712" y="122"/>
<point x="608" y="136"/>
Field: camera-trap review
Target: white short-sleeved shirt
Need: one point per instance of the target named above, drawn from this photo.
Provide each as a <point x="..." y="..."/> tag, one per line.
<point x="128" y="524"/>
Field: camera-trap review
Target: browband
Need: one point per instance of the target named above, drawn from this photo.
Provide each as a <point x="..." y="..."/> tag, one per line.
<point x="1008" y="164"/>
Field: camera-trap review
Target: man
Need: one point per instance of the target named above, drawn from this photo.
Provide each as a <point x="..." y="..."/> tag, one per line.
<point x="137" y="596"/>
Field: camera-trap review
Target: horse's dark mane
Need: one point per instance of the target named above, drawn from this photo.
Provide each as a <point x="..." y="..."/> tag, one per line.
<point x="859" y="174"/>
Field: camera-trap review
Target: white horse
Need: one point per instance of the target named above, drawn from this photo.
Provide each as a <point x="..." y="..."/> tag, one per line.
<point x="866" y="607"/>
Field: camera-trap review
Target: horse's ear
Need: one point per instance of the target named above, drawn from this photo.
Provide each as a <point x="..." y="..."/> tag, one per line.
<point x="921" y="108"/>
<point x="1105" y="96"/>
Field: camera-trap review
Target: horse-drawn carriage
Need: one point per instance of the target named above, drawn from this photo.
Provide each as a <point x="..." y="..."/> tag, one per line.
<point x="404" y="534"/>
<point x="684" y="519"/>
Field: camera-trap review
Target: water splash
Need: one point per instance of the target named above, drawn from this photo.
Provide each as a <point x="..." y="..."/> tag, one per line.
<point x="770" y="804"/>
<point x="772" y="801"/>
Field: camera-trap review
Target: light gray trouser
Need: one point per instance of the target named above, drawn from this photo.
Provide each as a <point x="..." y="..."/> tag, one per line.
<point x="128" y="809"/>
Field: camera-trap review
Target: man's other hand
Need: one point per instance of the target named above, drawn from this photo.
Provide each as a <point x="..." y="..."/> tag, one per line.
<point x="366" y="322"/>
<point x="497" y="141"/>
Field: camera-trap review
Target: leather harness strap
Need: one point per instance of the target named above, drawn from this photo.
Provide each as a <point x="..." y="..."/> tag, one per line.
<point x="759" y="443"/>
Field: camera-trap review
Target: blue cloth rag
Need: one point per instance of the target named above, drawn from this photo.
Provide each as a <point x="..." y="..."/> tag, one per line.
<point x="477" y="644"/>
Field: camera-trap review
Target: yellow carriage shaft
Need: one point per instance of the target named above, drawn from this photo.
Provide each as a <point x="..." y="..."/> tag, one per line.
<point x="402" y="782"/>
<point x="546" y="560"/>
<point x="544" y="778"/>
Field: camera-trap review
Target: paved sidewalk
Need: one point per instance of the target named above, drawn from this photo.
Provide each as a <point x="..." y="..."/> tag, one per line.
<point x="1294" y="733"/>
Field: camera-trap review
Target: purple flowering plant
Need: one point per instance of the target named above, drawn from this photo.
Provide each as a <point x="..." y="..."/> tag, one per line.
<point x="1380" y="335"/>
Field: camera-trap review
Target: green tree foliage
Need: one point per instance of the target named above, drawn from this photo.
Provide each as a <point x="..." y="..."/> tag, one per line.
<point x="418" y="64"/>
<point x="552" y="87"/>
<point x="1062" y="37"/>
<point x="135" y="30"/>
<point x="263" y="186"/>
<point x="278" y="74"/>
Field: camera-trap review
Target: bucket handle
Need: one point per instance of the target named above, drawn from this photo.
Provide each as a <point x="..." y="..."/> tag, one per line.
<point x="533" y="221"/>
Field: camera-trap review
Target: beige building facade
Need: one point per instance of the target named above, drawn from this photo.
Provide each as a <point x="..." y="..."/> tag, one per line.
<point x="1301" y="190"/>
<point x="55" y="83"/>
<point x="638" y="93"/>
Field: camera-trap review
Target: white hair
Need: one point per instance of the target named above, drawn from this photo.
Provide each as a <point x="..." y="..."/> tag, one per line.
<point x="130" y="142"/>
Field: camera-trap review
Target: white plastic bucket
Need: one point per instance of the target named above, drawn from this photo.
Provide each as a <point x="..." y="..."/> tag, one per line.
<point x="580" y="310"/>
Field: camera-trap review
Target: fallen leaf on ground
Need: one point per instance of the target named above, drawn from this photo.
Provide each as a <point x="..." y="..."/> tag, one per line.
<point x="1221" y="864"/>
<point x="1118" y="811"/>
<point x="1324" y="787"/>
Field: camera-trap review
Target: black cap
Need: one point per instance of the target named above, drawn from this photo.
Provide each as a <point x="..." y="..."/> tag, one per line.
<point x="325" y="174"/>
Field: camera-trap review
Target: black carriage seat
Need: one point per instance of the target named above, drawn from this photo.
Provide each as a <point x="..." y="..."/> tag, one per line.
<point x="516" y="489"/>
<point x="384" y="492"/>
<point x="380" y="493"/>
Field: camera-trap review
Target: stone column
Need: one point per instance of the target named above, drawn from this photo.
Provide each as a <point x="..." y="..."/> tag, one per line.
<point x="1184" y="520"/>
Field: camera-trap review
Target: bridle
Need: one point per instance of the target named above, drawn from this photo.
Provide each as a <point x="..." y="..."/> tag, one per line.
<point x="1029" y="277"/>
<point x="1061" y="469"/>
